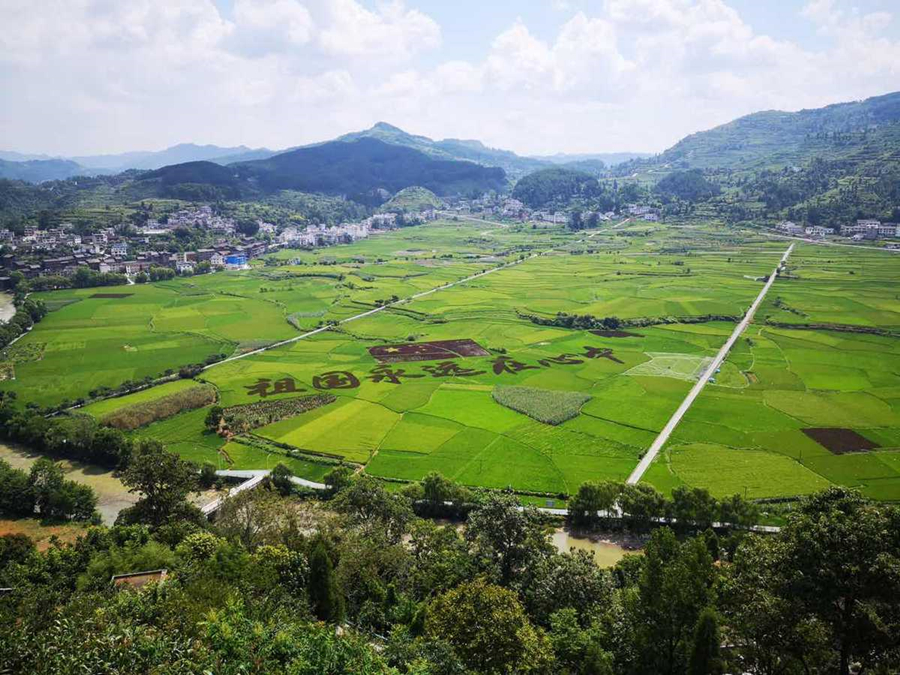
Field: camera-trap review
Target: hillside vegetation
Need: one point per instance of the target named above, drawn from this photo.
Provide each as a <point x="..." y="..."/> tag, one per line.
<point x="556" y="185"/>
<point x="358" y="167"/>
<point x="412" y="200"/>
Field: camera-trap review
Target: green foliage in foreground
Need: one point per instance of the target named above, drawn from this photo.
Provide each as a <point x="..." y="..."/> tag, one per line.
<point x="260" y="589"/>
<point x="544" y="405"/>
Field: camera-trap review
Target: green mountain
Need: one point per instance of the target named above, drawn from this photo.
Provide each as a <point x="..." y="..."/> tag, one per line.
<point x="451" y="148"/>
<point x="360" y="168"/>
<point x="854" y="131"/>
<point x="412" y="200"/>
<point x="823" y="166"/>
<point x="40" y="170"/>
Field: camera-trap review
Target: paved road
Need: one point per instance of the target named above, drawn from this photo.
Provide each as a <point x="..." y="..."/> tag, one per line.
<point x="398" y="302"/>
<point x="376" y="310"/>
<point x="253" y="477"/>
<point x="821" y="242"/>
<point x="673" y="422"/>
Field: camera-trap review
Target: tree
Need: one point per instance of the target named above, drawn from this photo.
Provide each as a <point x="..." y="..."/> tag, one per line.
<point x="488" y="629"/>
<point x="248" y="227"/>
<point x="207" y="475"/>
<point x="46" y="479"/>
<point x="324" y="597"/>
<point x="675" y="586"/>
<point x="693" y="508"/>
<point x="164" y="482"/>
<point x="373" y="509"/>
<point x="16" y="492"/>
<point x="591" y="498"/>
<point x="576" y="222"/>
<point x="214" y="418"/>
<point x="281" y="479"/>
<point x="705" y="658"/>
<point x="571" y="580"/>
<point x="841" y="561"/>
<point x="338" y="478"/>
<point x="642" y="504"/>
<point x="251" y="517"/>
<point x="506" y="539"/>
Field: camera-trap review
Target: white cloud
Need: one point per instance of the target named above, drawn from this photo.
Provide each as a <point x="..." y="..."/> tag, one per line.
<point x="393" y="30"/>
<point x="106" y="75"/>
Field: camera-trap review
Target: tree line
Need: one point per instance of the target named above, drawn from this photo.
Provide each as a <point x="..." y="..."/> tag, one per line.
<point x="28" y="313"/>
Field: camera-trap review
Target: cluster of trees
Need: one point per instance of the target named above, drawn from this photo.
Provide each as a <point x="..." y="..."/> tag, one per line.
<point x="44" y="491"/>
<point x="28" y="313"/>
<point x="78" y="437"/>
<point x="589" y="322"/>
<point x="690" y="186"/>
<point x="554" y="186"/>
<point x="609" y="503"/>
<point x="261" y="588"/>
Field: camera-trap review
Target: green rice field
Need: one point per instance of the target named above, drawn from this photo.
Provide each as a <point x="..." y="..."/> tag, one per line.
<point x="677" y="290"/>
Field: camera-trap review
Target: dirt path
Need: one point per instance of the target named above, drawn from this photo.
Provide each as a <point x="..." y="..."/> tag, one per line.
<point x="673" y="422"/>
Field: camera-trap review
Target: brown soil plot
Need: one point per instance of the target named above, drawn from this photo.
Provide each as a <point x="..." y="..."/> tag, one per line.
<point x="428" y="351"/>
<point x="840" y="441"/>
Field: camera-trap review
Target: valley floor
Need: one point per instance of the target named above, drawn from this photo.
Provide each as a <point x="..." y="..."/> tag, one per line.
<point x="421" y="385"/>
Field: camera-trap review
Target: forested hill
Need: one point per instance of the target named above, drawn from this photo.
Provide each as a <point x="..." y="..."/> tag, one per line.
<point x="554" y="187"/>
<point x="358" y="167"/>
<point x="450" y="148"/>
<point x="852" y="131"/>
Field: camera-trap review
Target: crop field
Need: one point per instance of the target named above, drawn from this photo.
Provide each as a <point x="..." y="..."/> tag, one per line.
<point x="104" y="337"/>
<point x="101" y="409"/>
<point x="402" y="413"/>
<point x="483" y="382"/>
<point x="816" y="406"/>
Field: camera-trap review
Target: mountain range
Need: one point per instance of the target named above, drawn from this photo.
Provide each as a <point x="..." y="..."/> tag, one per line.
<point x="44" y="167"/>
<point x="775" y="139"/>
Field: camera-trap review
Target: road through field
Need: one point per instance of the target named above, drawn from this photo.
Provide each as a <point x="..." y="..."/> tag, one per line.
<point x="393" y="304"/>
<point x="673" y="422"/>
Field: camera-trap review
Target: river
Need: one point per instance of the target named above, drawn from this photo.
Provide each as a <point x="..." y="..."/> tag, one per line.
<point x="112" y="496"/>
<point x="7" y="309"/>
<point x="606" y="551"/>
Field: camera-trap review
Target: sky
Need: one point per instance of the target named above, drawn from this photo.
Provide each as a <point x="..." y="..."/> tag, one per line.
<point x="537" y="77"/>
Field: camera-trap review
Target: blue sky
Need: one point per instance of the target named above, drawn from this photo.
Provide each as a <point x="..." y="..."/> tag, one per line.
<point x="536" y="77"/>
